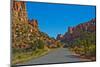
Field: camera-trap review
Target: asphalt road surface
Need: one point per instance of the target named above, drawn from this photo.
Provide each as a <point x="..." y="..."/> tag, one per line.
<point x="56" y="56"/>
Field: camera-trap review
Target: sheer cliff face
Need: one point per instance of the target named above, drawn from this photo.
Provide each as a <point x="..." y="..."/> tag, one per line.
<point x="19" y="14"/>
<point x="19" y="11"/>
<point x="21" y="29"/>
<point x="25" y="33"/>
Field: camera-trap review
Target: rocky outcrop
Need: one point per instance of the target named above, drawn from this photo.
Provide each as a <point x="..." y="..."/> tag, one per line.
<point x="77" y="31"/>
<point x="59" y="36"/>
<point x="87" y="26"/>
<point x="25" y="33"/>
<point x="19" y="11"/>
<point x="34" y="23"/>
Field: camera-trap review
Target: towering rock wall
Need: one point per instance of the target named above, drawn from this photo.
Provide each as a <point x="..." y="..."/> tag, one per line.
<point x="19" y="11"/>
<point x="25" y="33"/>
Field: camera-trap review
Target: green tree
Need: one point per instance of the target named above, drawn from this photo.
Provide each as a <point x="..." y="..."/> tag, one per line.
<point x="40" y="44"/>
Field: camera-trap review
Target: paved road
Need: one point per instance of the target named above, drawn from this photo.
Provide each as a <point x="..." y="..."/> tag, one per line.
<point x="56" y="56"/>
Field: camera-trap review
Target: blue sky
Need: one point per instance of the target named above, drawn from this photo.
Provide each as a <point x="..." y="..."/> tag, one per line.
<point x="55" y="19"/>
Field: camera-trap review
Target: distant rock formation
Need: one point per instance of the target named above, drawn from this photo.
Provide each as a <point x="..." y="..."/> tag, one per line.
<point x="87" y="26"/>
<point x="74" y="32"/>
<point x="59" y="36"/>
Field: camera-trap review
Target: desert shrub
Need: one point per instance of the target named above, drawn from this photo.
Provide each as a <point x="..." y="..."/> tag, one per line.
<point x="92" y="50"/>
<point x="40" y="44"/>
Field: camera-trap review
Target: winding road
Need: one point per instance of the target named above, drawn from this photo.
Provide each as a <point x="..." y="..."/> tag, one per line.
<point x="56" y="56"/>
